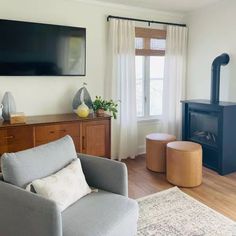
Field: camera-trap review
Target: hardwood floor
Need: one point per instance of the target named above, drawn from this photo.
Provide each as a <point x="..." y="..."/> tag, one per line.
<point x="218" y="192"/>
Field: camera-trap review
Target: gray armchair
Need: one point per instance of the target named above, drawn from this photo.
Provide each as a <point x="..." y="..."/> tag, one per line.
<point x="108" y="212"/>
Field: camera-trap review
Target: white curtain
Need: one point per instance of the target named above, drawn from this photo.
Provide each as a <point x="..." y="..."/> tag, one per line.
<point x="120" y="85"/>
<point x="174" y="79"/>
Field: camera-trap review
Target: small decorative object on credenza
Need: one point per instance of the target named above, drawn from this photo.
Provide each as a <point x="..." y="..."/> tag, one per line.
<point x="82" y="96"/>
<point x="1" y="107"/>
<point x="100" y="106"/>
<point x="9" y="105"/>
<point x="17" y="118"/>
<point x="82" y="102"/>
<point x="82" y="110"/>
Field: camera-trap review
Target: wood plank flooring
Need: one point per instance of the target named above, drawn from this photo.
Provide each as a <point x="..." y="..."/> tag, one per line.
<point x="218" y="192"/>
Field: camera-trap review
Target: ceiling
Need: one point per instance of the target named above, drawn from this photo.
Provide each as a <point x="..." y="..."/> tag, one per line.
<point x="165" y="5"/>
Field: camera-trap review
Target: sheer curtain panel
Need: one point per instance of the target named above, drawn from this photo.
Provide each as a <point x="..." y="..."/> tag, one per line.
<point x="120" y="85"/>
<point x="174" y="78"/>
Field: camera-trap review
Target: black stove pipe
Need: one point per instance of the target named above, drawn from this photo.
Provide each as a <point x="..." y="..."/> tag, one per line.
<point x="219" y="61"/>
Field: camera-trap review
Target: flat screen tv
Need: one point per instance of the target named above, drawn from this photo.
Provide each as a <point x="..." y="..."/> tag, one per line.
<point x="41" y="49"/>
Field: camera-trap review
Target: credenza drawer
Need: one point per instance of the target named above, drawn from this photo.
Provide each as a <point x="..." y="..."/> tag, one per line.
<point x="15" y="139"/>
<point x="48" y="133"/>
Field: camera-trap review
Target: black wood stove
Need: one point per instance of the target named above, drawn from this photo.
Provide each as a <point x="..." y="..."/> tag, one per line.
<point x="213" y="125"/>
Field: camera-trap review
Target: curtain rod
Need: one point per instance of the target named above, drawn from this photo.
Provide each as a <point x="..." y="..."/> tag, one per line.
<point x="147" y="21"/>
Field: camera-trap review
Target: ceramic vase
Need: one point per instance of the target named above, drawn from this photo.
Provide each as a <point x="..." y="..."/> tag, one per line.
<point x="82" y="96"/>
<point x="1" y="107"/>
<point x="82" y="110"/>
<point x="9" y="105"/>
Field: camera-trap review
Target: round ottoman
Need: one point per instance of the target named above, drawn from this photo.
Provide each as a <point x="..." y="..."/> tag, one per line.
<point x="184" y="163"/>
<point x="156" y="151"/>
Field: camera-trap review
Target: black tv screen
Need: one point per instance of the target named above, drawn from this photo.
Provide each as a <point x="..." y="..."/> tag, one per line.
<point x="41" y="49"/>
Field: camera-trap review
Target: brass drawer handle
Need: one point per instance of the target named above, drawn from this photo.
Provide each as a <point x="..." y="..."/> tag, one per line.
<point x="61" y="130"/>
<point x="10" y="137"/>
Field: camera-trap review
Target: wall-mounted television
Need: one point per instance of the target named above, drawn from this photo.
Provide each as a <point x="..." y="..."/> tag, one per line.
<point x="35" y="49"/>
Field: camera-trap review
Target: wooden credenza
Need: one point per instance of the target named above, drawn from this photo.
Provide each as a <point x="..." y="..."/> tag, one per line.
<point x="91" y="135"/>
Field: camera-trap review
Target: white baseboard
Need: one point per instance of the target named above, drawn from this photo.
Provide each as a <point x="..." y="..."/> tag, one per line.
<point x="141" y="149"/>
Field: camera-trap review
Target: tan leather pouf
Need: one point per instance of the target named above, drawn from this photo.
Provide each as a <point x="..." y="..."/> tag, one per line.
<point x="156" y="151"/>
<point x="184" y="163"/>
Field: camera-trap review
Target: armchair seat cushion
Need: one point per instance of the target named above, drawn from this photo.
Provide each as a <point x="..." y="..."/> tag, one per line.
<point x="101" y="213"/>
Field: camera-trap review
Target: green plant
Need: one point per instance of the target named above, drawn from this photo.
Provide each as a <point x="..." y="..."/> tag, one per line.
<point x="105" y="105"/>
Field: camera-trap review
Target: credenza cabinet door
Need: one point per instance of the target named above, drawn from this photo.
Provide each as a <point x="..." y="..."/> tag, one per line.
<point x="96" y="138"/>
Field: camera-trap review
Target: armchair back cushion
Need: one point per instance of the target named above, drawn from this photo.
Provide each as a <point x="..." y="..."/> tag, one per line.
<point x="23" y="167"/>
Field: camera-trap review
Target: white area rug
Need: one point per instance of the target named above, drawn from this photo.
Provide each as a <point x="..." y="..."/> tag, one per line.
<point x="172" y="212"/>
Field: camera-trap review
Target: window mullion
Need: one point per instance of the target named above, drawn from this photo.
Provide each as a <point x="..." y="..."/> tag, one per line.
<point x="144" y="86"/>
<point x="148" y="86"/>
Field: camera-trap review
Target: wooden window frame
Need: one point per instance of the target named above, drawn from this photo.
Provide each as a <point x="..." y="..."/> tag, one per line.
<point x="147" y="34"/>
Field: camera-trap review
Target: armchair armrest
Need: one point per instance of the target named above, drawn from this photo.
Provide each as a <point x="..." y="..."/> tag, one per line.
<point x="105" y="174"/>
<point x="23" y="213"/>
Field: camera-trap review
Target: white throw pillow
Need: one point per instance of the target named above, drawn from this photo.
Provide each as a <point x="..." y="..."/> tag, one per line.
<point x="64" y="187"/>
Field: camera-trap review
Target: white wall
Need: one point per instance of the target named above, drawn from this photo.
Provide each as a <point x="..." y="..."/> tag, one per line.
<point x="53" y="95"/>
<point x="212" y="31"/>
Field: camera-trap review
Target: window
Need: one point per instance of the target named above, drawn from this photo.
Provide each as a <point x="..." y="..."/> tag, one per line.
<point x="150" y="57"/>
